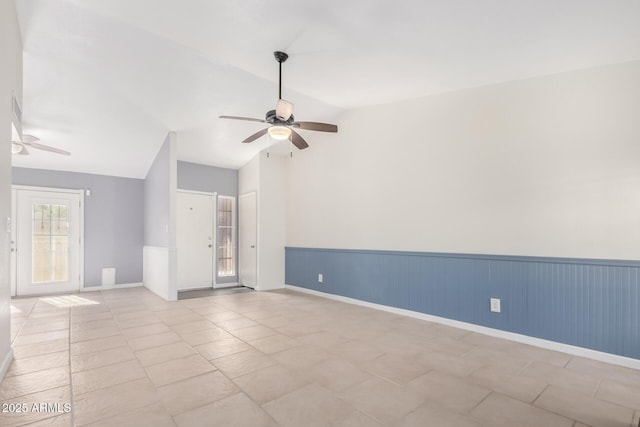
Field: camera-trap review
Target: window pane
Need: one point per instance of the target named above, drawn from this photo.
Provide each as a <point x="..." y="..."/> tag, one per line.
<point x="224" y="218"/>
<point x="225" y="236"/>
<point x="50" y="244"/>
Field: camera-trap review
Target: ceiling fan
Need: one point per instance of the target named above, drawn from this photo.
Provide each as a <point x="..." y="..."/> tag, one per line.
<point x="20" y="147"/>
<point x="281" y="119"/>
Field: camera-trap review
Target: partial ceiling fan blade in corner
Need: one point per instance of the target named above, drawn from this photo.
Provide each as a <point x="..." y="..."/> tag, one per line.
<point x="30" y="138"/>
<point x="246" y="119"/>
<point x="47" y="148"/>
<point x="297" y="140"/>
<point x="256" y="135"/>
<point x="320" y="127"/>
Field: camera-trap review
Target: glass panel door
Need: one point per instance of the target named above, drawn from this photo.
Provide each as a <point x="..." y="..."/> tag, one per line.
<point x="47" y="242"/>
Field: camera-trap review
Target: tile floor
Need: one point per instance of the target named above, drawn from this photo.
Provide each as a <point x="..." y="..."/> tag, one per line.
<point x="128" y="358"/>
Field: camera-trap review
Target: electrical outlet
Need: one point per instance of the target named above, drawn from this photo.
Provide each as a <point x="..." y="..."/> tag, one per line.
<point x="495" y="305"/>
<point x="320" y="278"/>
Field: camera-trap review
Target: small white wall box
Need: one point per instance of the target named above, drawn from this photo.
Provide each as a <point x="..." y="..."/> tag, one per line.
<point x="108" y="276"/>
<point x="495" y="305"/>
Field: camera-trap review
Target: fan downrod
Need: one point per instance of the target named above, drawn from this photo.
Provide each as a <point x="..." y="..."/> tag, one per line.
<point x="280" y="56"/>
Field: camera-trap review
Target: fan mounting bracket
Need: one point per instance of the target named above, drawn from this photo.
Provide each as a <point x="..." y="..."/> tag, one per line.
<point x="273" y="119"/>
<point x="280" y="56"/>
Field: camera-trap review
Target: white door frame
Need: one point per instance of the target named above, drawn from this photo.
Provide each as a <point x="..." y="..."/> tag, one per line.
<point x="14" y="226"/>
<point x="214" y="232"/>
<point x="242" y="243"/>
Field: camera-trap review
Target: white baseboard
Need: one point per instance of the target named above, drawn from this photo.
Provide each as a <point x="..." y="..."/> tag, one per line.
<point x="108" y="287"/>
<point x="6" y="362"/>
<point x="614" y="359"/>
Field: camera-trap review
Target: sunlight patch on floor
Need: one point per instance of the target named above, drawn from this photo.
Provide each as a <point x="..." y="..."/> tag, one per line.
<point x="68" y="301"/>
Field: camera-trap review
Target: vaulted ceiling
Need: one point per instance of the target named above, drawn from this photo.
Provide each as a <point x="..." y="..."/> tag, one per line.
<point x="107" y="79"/>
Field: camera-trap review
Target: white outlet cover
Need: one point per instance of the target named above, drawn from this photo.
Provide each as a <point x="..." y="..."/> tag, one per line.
<point x="495" y="305"/>
<point x="320" y="277"/>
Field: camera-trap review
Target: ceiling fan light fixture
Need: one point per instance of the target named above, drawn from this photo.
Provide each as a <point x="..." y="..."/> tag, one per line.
<point x="279" y="132"/>
<point x="284" y="109"/>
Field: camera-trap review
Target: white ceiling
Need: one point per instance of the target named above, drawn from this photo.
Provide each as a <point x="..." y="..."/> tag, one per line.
<point x="107" y="79"/>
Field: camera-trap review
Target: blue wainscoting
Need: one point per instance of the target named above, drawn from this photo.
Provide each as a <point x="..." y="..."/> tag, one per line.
<point x="588" y="303"/>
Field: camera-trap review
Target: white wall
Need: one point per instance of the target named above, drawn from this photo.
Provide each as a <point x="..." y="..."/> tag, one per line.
<point x="546" y="167"/>
<point x="160" y="237"/>
<point x="156" y="271"/>
<point x="248" y="176"/>
<point x="271" y="221"/>
<point x="267" y="177"/>
<point x="10" y="82"/>
<point x="173" y="217"/>
<point x="156" y="197"/>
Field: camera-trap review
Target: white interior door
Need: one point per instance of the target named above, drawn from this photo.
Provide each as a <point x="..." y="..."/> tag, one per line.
<point x="248" y="236"/>
<point x="195" y="240"/>
<point x="47" y="243"/>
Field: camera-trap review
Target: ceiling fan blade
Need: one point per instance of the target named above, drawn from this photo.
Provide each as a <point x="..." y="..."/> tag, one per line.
<point x="320" y="127"/>
<point x="247" y="119"/>
<point x="29" y="138"/>
<point x="47" y="148"/>
<point x="297" y="140"/>
<point x="256" y="135"/>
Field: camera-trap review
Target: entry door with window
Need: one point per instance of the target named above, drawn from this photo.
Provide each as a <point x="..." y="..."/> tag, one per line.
<point x="47" y="242"/>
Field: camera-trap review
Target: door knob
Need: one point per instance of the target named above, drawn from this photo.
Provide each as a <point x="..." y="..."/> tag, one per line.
<point x="209" y="245"/>
<point x="253" y="246"/>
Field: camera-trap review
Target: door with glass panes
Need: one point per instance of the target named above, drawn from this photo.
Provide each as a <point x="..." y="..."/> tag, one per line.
<point x="47" y="241"/>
